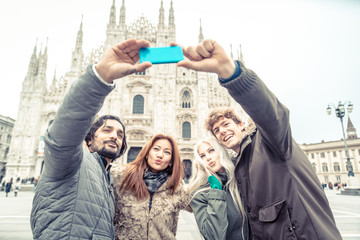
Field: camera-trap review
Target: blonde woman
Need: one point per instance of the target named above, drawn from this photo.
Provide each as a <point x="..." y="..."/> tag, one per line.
<point x="149" y="192"/>
<point x="215" y="198"/>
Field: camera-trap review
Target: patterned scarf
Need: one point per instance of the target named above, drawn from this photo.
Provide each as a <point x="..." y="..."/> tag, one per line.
<point x="154" y="180"/>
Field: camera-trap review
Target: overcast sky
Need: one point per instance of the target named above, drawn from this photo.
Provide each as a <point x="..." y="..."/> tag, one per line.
<point x="306" y="51"/>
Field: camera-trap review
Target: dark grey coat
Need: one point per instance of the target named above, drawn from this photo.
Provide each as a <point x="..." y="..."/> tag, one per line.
<point x="74" y="198"/>
<point x="281" y="191"/>
<point x="217" y="216"/>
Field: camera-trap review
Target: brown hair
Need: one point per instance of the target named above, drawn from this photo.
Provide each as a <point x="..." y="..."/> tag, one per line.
<point x="133" y="177"/>
<point x="218" y="113"/>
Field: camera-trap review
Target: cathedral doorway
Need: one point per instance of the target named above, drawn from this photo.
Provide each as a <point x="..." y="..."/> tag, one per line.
<point x="187" y="169"/>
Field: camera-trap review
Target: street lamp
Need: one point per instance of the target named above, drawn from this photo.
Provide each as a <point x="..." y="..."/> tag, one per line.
<point x="340" y="113"/>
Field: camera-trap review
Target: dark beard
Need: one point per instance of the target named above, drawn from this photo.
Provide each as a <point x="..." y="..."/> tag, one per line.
<point x="112" y="154"/>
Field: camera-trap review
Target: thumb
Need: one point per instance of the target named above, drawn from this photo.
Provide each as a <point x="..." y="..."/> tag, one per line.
<point x="189" y="65"/>
<point x="143" y="66"/>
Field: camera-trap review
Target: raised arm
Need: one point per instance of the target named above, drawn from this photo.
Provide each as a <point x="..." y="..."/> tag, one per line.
<point x="270" y="116"/>
<point x="64" y="137"/>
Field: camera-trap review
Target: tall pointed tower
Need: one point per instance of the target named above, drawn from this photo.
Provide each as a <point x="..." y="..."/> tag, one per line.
<point x="25" y="138"/>
<point x="350" y="130"/>
<point x="78" y="54"/>
<point x="201" y="36"/>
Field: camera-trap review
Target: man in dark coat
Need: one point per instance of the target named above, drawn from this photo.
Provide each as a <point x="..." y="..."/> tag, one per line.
<point x="280" y="190"/>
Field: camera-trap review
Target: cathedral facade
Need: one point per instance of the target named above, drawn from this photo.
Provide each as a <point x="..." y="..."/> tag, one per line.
<point x="163" y="99"/>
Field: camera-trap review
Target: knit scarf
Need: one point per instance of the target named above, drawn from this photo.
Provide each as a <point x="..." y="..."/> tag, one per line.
<point x="154" y="180"/>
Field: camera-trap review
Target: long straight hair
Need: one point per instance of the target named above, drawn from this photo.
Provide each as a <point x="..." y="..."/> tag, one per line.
<point x="199" y="177"/>
<point x="133" y="177"/>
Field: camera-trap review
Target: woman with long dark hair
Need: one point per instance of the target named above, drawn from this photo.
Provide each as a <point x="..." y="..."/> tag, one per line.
<point x="149" y="192"/>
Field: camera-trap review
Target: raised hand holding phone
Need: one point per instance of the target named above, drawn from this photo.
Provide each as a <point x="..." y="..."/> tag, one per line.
<point x="161" y="55"/>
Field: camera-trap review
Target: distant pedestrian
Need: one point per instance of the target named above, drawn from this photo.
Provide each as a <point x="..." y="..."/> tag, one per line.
<point x="35" y="182"/>
<point x="8" y="186"/>
<point x="17" y="186"/>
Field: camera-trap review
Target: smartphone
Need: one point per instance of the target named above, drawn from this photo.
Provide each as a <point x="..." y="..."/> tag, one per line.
<point x="161" y="55"/>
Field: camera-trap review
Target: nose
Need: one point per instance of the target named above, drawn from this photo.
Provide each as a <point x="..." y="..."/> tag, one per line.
<point x="207" y="157"/>
<point x="222" y="130"/>
<point x="113" y="135"/>
<point x="159" y="154"/>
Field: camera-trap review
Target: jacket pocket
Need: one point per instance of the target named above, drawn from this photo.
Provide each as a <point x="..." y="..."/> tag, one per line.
<point x="101" y="235"/>
<point x="271" y="212"/>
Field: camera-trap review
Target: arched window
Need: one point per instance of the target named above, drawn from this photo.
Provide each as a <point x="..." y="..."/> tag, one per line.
<point x="325" y="167"/>
<point x="133" y="152"/>
<point x="186" y="100"/>
<point x="186" y="130"/>
<point x="138" y="104"/>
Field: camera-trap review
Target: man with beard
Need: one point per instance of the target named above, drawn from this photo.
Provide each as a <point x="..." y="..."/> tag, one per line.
<point x="74" y="198"/>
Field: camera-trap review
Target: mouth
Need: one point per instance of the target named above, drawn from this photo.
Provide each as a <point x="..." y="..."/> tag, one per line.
<point x="111" y="144"/>
<point x="157" y="161"/>
<point x="227" y="137"/>
<point x="211" y="164"/>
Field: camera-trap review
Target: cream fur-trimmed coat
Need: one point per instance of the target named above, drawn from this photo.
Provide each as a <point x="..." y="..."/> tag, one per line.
<point x="133" y="220"/>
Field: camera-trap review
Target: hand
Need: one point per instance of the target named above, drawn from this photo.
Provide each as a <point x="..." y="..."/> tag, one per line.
<point x="120" y="60"/>
<point x="208" y="56"/>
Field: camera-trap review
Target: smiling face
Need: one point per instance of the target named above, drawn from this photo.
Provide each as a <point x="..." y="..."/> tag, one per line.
<point x="210" y="157"/>
<point x="108" y="139"/>
<point x="229" y="133"/>
<point x="159" y="156"/>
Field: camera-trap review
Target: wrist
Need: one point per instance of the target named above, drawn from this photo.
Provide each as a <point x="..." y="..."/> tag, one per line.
<point x="227" y="70"/>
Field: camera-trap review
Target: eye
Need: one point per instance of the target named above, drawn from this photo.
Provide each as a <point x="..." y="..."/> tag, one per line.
<point x="211" y="150"/>
<point x="226" y="124"/>
<point x="168" y="152"/>
<point x="216" y="130"/>
<point x="202" y="156"/>
<point x="156" y="149"/>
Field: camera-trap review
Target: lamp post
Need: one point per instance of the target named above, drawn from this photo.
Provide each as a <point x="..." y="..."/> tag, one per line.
<point x="340" y="113"/>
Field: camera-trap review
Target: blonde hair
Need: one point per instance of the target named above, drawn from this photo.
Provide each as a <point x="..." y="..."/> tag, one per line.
<point x="199" y="177"/>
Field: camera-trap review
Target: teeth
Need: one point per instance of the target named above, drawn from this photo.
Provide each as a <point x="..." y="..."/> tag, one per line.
<point x="227" y="137"/>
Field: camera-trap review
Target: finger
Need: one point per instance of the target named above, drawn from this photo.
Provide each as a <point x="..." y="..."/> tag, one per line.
<point x="202" y="51"/>
<point x="192" y="54"/>
<point x="209" y="45"/>
<point x="133" y="49"/>
<point x="190" y="65"/>
<point x="143" y="66"/>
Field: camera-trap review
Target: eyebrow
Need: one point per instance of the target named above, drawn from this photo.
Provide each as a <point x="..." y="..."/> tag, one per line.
<point x="164" y="148"/>
<point x="112" y="127"/>
<point x="220" y="124"/>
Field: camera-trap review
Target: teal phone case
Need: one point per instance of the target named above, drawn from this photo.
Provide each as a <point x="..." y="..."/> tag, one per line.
<point x="161" y="55"/>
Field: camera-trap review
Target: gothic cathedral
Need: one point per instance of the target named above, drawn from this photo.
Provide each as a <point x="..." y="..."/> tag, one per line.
<point x="163" y="99"/>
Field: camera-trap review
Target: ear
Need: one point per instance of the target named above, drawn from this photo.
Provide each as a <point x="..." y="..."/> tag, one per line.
<point x="242" y="126"/>
<point x="89" y="143"/>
